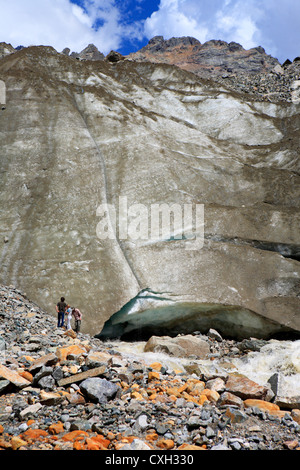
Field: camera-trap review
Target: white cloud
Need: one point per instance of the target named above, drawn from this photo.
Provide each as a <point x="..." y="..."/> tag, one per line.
<point x="237" y="23"/>
<point x="216" y="19"/>
<point x="175" y="18"/>
<point x="82" y="17"/>
<point x="61" y="24"/>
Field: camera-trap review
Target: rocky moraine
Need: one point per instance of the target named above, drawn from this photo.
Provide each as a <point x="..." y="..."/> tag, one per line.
<point x="62" y="391"/>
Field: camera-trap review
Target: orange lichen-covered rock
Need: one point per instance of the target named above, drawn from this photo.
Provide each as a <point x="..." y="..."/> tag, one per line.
<point x="136" y="395"/>
<point x="165" y="444"/>
<point x="191" y="398"/>
<point x="75" y="435"/>
<point x="74" y="350"/>
<point x="291" y="445"/>
<point x="278" y="413"/>
<point x="56" y="428"/>
<point x="211" y="395"/>
<point x="97" y="443"/>
<point x="202" y="399"/>
<point x="194" y="384"/>
<point x="13" y="377"/>
<point x="261" y="404"/>
<point x="245" y="388"/>
<point x="191" y="447"/>
<point x="78" y="445"/>
<point x="119" y="445"/>
<point x="153" y="376"/>
<point x="4" y="444"/>
<point x="26" y="375"/>
<point x="102" y="440"/>
<point x="153" y="396"/>
<point x="176" y="391"/>
<point x="156" y="366"/>
<point x="34" y="434"/>
<point x="17" y="442"/>
<point x="152" y="437"/>
<point x="295" y="414"/>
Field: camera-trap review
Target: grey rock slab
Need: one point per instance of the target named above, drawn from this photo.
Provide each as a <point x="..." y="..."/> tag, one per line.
<point x="99" y="389"/>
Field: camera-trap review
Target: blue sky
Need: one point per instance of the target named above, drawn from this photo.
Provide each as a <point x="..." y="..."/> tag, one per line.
<point x="127" y="25"/>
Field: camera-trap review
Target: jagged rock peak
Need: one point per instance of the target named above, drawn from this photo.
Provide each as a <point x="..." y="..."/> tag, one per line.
<point x="214" y="57"/>
<point x="91" y="52"/>
<point x="5" y="49"/>
<point x="184" y="40"/>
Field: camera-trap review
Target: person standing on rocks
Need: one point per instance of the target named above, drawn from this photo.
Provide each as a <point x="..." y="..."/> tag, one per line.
<point x="61" y="309"/>
<point x="77" y="316"/>
<point x="69" y="317"/>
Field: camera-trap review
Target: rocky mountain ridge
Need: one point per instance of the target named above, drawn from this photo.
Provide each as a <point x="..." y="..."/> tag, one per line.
<point x="249" y="71"/>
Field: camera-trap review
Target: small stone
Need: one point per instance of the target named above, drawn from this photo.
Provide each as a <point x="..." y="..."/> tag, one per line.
<point x="17" y="442"/>
<point x="187" y="447"/>
<point x="3" y="385"/>
<point x="216" y="384"/>
<point x="220" y="447"/>
<point x="214" y="335"/>
<point x="136" y="444"/>
<point x="50" y="398"/>
<point x="153" y="376"/>
<point x="236" y="415"/>
<point x="98" y="389"/>
<point x="46" y="360"/>
<point x="228" y="398"/>
<point x="291" y="445"/>
<point x="211" y="395"/>
<point x="56" y="428"/>
<point x="23" y="427"/>
<point x="75" y="435"/>
<point x="47" y="382"/>
<point x="141" y="423"/>
<point x="30" y="410"/>
<point x="295" y="414"/>
<point x="165" y="444"/>
<point x="74" y="350"/>
<point x="210" y="433"/>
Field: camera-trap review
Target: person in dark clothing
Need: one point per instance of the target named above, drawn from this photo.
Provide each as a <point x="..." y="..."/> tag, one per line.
<point x="78" y="317"/>
<point x="61" y="308"/>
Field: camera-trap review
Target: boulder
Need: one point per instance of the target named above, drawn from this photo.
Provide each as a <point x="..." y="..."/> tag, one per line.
<point x="114" y="57"/>
<point x="181" y="346"/>
<point x="13" y="377"/>
<point x="100" y="390"/>
<point x="247" y="389"/>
